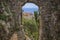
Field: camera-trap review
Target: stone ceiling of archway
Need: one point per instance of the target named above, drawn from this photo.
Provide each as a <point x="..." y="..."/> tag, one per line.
<point x="33" y="1"/>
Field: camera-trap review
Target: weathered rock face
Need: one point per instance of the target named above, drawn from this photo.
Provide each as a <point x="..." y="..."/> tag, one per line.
<point x="49" y="11"/>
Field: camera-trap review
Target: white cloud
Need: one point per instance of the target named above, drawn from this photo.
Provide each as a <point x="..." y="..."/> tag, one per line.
<point x="30" y="5"/>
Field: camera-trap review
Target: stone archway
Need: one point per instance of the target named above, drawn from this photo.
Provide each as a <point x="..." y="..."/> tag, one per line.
<point x="29" y="1"/>
<point x="46" y="15"/>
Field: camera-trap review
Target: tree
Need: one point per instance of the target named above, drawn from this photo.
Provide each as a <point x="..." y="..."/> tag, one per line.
<point x="36" y="15"/>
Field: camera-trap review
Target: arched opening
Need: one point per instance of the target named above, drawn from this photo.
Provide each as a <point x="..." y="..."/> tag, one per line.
<point x="30" y="13"/>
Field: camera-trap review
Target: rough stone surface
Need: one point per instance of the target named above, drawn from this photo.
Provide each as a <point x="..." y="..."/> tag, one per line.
<point x="50" y="16"/>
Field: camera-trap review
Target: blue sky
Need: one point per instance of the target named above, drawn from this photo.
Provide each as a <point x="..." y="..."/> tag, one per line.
<point x="30" y="7"/>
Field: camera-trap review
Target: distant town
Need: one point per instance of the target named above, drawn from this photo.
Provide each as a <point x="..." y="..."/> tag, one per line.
<point x="28" y="15"/>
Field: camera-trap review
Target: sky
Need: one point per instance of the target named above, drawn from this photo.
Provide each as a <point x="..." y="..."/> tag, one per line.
<point x="30" y="7"/>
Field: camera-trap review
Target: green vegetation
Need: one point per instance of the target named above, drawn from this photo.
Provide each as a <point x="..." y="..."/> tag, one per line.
<point x="31" y="28"/>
